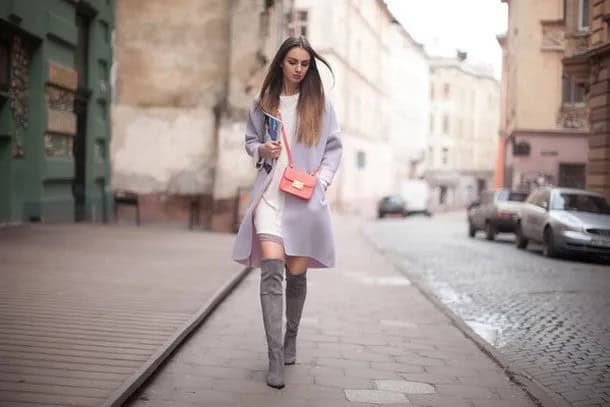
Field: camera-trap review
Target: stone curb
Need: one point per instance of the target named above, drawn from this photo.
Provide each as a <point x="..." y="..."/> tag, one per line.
<point x="534" y="389"/>
<point x="144" y="372"/>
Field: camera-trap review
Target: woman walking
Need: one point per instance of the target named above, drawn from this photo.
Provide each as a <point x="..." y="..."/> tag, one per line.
<point x="293" y="136"/>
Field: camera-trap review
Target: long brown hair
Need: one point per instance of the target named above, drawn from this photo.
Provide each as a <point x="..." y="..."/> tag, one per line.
<point x="311" y="98"/>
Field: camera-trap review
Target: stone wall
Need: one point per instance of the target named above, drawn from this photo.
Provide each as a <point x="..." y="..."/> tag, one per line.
<point x="598" y="168"/>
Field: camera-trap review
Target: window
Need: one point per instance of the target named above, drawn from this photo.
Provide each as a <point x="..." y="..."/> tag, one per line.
<point x="432" y="92"/>
<point x="446" y="90"/>
<point x="544" y="202"/>
<point x="445" y="156"/>
<point x="360" y="159"/>
<point x="521" y="148"/>
<point x="539" y="198"/>
<point x="581" y="203"/>
<point x="573" y="91"/>
<point x="446" y="124"/>
<point x="583" y="15"/>
<point x="297" y="23"/>
<point x="507" y="195"/>
<point x="4" y="66"/>
<point x="533" y="197"/>
<point x="431" y="123"/>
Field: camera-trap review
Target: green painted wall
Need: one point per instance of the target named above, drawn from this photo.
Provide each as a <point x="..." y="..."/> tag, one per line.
<point x="39" y="183"/>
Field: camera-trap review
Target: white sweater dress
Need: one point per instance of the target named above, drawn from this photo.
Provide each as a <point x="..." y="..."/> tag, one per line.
<point x="268" y="213"/>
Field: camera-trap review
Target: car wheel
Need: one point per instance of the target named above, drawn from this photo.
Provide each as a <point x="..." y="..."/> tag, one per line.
<point x="490" y="231"/>
<point x="520" y="240"/>
<point x="548" y="245"/>
<point x="471" y="229"/>
<point x="380" y="215"/>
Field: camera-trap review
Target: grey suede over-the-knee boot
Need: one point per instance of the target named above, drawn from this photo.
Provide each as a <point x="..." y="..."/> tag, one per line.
<point x="272" y="272"/>
<point x="296" y="290"/>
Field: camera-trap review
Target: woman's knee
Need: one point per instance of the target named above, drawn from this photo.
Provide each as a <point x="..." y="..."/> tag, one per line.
<point x="296" y="265"/>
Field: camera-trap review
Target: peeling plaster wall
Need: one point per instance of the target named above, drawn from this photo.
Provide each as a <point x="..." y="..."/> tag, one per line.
<point x="163" y="150"/>
<point x="171" y="73"/>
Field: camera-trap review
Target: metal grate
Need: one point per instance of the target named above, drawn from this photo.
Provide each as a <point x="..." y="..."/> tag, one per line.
<point x="599" y="232"/>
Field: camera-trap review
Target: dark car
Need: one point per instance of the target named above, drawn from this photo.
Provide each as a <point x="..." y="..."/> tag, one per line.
<point x="391" y="205"/>
<point x="495" y="212"/>
<point x="565" y="221"/>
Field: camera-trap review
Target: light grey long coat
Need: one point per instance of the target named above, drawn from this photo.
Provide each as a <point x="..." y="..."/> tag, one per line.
<point x="306" y="224"/>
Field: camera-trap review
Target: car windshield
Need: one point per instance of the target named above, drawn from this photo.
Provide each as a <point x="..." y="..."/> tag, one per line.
<point x="511" y="196"/>
<point x="581" y="203"/>
<point x="395" y="200"/>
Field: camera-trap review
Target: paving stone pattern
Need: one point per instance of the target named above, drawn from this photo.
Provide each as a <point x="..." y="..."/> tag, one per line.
<point x="549" y="317"/>
<point x="368" y="337"/>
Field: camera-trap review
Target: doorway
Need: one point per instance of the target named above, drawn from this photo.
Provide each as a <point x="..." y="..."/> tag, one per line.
<point x="81" y="104"/>
<point x="6" y="193"/>
<point x="481" y="186"/>
<point x="572" y="175"/>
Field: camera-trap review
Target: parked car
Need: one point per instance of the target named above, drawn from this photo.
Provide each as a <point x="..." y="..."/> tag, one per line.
<point x="392" y="204"/>
<point x="495" y="212"/>
<point x="565" y="221"/>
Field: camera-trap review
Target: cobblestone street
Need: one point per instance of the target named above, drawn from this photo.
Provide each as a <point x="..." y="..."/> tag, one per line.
<point x="549" y="317"/>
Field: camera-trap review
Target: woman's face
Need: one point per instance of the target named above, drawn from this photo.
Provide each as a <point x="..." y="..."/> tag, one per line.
<point x="295" y="65"/>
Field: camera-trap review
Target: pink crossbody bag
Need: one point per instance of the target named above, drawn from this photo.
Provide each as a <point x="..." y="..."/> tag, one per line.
<point x="298" y="183"/>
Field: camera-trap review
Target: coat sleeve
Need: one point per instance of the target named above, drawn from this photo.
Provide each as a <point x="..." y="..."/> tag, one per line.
<point x="254" y="134"/>
<point x="333" y="149"/>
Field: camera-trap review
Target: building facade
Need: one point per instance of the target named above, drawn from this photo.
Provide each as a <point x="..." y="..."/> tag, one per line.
<point x="464" y="125"/>
<point x="593" y="64"/>
<point x="55" y="59"/>
<point x="544" y="116"/>
<point x="381" y="92"/>
<point x="181" y="104"/>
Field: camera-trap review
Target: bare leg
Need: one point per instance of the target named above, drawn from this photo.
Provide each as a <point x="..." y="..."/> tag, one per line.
<point x="296" y="264"/>
<point x="272" y="250"/>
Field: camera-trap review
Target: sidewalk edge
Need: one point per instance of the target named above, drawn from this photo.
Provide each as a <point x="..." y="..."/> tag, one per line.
<point x="128" y="387"/>
<point x="535" y="390"/>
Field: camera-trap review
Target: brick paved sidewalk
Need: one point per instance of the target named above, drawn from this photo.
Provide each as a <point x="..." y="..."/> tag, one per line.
<point x="368" y="337"/>
<point x="83" y="308"/>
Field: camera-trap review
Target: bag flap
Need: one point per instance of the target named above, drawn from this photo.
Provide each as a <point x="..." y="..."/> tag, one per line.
<point x="307" y="179"/>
